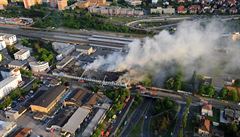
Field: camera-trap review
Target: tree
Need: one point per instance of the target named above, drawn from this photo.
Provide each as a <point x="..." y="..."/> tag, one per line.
<point x="180" y="133"/>
<point x="207" y="90"/>
<point x="237" y="83"/>
<point x="223" y="93"/>
<point x="188" y="101"/>
<point x="147" y="81"/>
<point x="234" y="95"/>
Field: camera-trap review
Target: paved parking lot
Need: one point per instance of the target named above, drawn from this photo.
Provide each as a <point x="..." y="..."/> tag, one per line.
<point x="38" y="129"/>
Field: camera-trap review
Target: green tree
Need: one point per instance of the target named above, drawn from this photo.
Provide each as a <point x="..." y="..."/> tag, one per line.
<point x="234" y="95"/>
<point x="237" y="83"/>
<point x="180" y="133"/>
<point x="147" y="81"/>
<point x="223" y="93"/>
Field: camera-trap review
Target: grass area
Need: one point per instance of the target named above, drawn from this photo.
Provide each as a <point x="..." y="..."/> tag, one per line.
<point x="136" y="130"/>
<point x="121" y="20"/>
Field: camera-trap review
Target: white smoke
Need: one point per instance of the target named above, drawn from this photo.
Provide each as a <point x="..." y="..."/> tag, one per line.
<point x="193" y="46"/>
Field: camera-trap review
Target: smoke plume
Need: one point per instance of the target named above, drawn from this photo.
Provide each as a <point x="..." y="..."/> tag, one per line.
<point x="193" y="46"/>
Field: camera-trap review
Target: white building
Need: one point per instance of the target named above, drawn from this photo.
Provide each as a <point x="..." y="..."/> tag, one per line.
<point x="134" y="2"/>
<point x="2" y="45"/>
<point x="22" y="54"/>
<point x="64" y="62"/>
<point x="9" y="39"/>
<point x="158" y="10"/>
<point x="10" y="83"/>
<point x="39" y="66"/>
<point x="6" y="128"/>
<point x="154" y="1"/>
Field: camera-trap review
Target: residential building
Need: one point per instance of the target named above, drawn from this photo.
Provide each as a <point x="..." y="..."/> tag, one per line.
<point x="207" y="110"/>
<point x="38" y="67"/>
<point x="22" y="54"/>
<point x="193" y="9"/>
<point x="4" y="2"/>
<point x="116" y="11"/>
<point x="7" y="128"/>
<point x="231" y="115"/>
<point x="9" y="39"/>
<point x="18" y="64"/>
<point x="181" y="10"/>
<point x="154" y="1"/>
<point x="204" y="129"/>
<point x="2" y="45"/>
<point x="169" y="10"/>
<point x="62" y="4"/>
<point x="64" y="62"/>
<point x="46" y="102"/>
<point x="29" y="3"/>
<point x="134" y="2"/>
<point x="10" y="83"/>
<point x="158" y="10"/>
<point x="75" y="121"/>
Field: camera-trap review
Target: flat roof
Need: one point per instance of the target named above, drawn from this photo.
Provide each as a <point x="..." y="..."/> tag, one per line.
<point x="24" y="132"/>
<point x="65" y="60"/>
<point x="80" y="96"/>
<point x="61" y="117"/>
<point x="94" y="122"/>
<point x="76" y="120"/>
<point x="49" y="96"/>
<point x="21" y="51"/>
<point x="6" y="81"/>
<point x="19" y="63"/>
<point x="5" y="127"/>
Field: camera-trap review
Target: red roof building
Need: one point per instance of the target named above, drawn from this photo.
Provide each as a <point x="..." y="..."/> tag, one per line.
<point x="194" y="9"/>
<point x="181" y="10"/>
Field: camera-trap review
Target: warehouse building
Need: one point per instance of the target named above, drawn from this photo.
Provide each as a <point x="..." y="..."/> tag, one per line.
<point x="46" y="102"/>
<point x="75" y="121"/>
<point x="64" y="62"/>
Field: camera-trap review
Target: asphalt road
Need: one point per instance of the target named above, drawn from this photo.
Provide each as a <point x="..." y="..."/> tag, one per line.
<point x="137" y="115"/>
<point x="179" y="121"/>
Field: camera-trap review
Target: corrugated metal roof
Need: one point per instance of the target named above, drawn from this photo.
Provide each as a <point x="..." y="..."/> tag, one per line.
<point x="76" y="120"/>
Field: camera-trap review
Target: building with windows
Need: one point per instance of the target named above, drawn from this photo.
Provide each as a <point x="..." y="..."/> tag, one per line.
<point x="10" y="83"/>
<point x="9" y="39"/>
<point x="2" y="45"/>
<point x="7" y="128"/>
<point x="38" y="67"/>
<point x="29" y="3"/>
<point x="46" y="101"/>
<point x="62" y="4"/>
<point x="4" y="2"/>
<point x="22" y="54"/>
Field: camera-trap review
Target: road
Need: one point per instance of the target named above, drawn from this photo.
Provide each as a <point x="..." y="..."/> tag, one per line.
<point x="179" y="121"/>
<point x="136" y="116"/>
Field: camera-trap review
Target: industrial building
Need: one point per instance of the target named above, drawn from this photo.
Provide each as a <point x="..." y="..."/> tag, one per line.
<point x="75" y="121"/>
<point x="63" y="48"/>
<point x="88" y="50"/>
<point x="98" y="118"/>
<point x="22" y="54"/>
<point x="9" y="83"/>
<point x="64" y="62"/>
<point x="81" y="97"/>
<point x="46" y="102"/>
<point x="6" y="128"/>
<point x="37" y="67"/>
